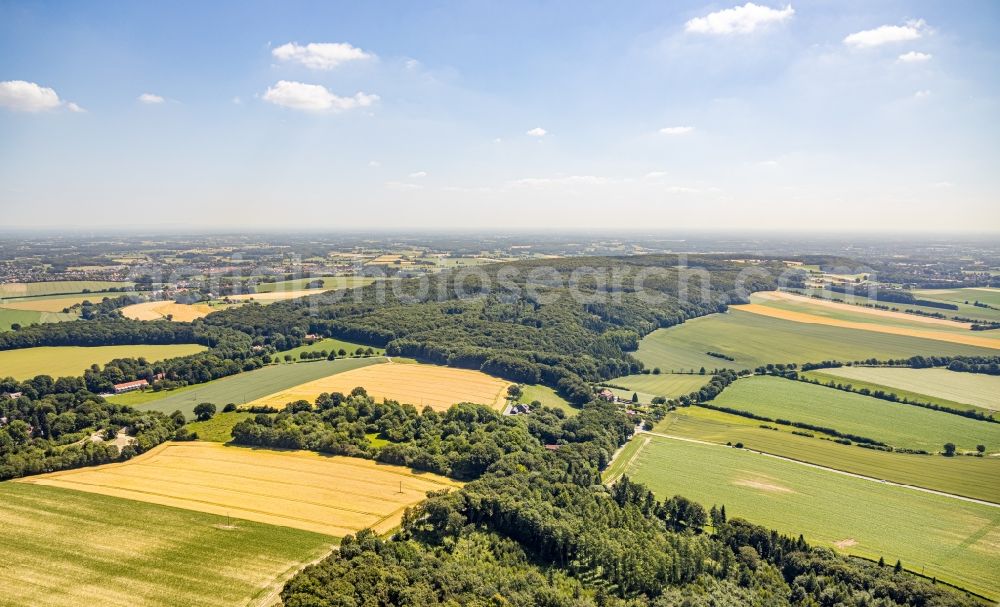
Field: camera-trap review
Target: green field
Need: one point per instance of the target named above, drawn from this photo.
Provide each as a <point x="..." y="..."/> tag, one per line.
<point x="53" y="287"/>
<point x="975" y="477"/>
<point x="670" y="385"/>
<point x="329" y="282"/>
<point x="945" y="537"/>
<point x="24" y="318"/>
<point x="984" y="295"/>
<point x="64" y="548"/>
<point x="245" y="387"/>
<point x="928" y="385"/>
<point x="755" y="340"/>
<point x="861" y="314"/>
<point x="548" y="397"/>
<point x="219" y="428"/>
<point x="61" y="361"/>
<point x="958" y="298"/>
<point x="896" y="424"/>
<point x="330" y="345"/>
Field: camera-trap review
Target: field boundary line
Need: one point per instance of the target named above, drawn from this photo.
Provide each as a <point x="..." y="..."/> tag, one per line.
<point x="834" y="470"/>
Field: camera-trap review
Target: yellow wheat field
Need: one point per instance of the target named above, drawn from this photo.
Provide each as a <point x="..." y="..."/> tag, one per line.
<point x="333" y="495"/>
<point x="276" y="295"/>
<point x="156" y="310"/>
<point x="969" y="339"/>
<point x="415" y="384"/>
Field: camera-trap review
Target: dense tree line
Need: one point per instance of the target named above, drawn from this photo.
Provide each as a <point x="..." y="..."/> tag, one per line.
<point x="55" y="432"/>
<point x="537" y="527"/>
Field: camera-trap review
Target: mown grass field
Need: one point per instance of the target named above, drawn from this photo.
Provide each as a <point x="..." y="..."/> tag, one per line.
<point x="219" y="428"/>
<point x="755" y="340"/>
<point x="976" y="389"/>
<point x="65" y="548"/>
<point x="896" y="424"/>
<point x="59" y="361"/>
<point x="548" y="397"/>
<point x="415" y="384"/>
<point x="333" y="495"/>
<point x="670" y="385"/>
<point x="329" y="282"/>
<point x="242" y="387"/>
<point x="57" y="287"/>
<point x="975" y="477"/>
<point x="330" y="345"/>
<point x="945" y="537"/>
<point x="24" y="318"/>
<point x="985" y="295"/>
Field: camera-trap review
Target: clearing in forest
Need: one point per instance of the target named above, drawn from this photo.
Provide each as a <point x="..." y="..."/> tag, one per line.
<point x="157" y="310"/>
<point x="62" y="361"/>
<point x="416" y="384"/>
<point x="333" y="495"/>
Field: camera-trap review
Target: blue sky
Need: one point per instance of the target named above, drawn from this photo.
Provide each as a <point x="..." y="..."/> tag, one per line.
<point x="674" y="115"/>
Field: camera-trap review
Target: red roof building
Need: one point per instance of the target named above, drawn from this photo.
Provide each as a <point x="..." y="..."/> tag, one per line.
<point x="130" y="385"/>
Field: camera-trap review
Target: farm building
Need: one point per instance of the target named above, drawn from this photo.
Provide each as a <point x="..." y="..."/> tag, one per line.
<point x="130" y="385"/>
<point x="607" y="395"/>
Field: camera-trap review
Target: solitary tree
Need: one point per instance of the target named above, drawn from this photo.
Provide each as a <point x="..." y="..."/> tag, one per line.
<point x="635" y="397"/>
<point x="980" y="449"/>
<point x="949" y="449"/>
<point x="898" y="568"/>
<point x="204" y="411"/>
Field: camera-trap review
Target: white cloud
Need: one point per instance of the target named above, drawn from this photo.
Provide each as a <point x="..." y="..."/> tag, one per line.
<point x="237" y="101"/>
<point x="922" y="94"/>
<point x="320" y="55"/>
<point x="676" y="130"/>
<point x="739" y="19"/>
<point x="537" y="132"/>
<point x="418" y="175"/>
<point x="914" y="57"/>
<point x="655" y="175"/>
<point x="374" y="163"/>
<point x="887" y="34"/>
<point x="22" y="96"/>
<point x="150" y="98"/>
<point x="314" y="97"/>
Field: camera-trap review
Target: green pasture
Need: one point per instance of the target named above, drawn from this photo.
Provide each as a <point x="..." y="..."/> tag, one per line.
<point x="669" y="385"/>
<point x="928" y="385"/>
<point x="975" y="477"/>
<point x="219" y="428"/>
<point x="57" y="287"/>
<point x="940" y="536"/>
<point x="329" y="282"/>
<point x="548" y="397"/>
<point x="330" y="345"/>
<point x="896" y="424"/>
<point x="964" y="310"/>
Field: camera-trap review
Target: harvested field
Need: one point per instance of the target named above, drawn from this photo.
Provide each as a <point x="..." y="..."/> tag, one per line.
<point x="275" y="295"/>
<point x="61" y="361"/>
<point x="53" y="287"/>
<point x="850" y="309"/>
<point x="416" y="384"/>
<point x="299" y="489"/>
<point x="157" y="310"/>
<point x="802" y="317"/>
<point x="53" y="304"/>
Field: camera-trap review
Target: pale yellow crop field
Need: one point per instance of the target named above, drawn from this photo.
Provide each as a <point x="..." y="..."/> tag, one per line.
<point x="62" y="361"/>
<point x="333" y="495"/>
<point x="970" y="339"/>
<point x="157" y="310"/>
<point x="416" y="384"/>
<point x="766" y="296"/>
<point x="276" y="295"/>
<point x="53" y="304"/>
